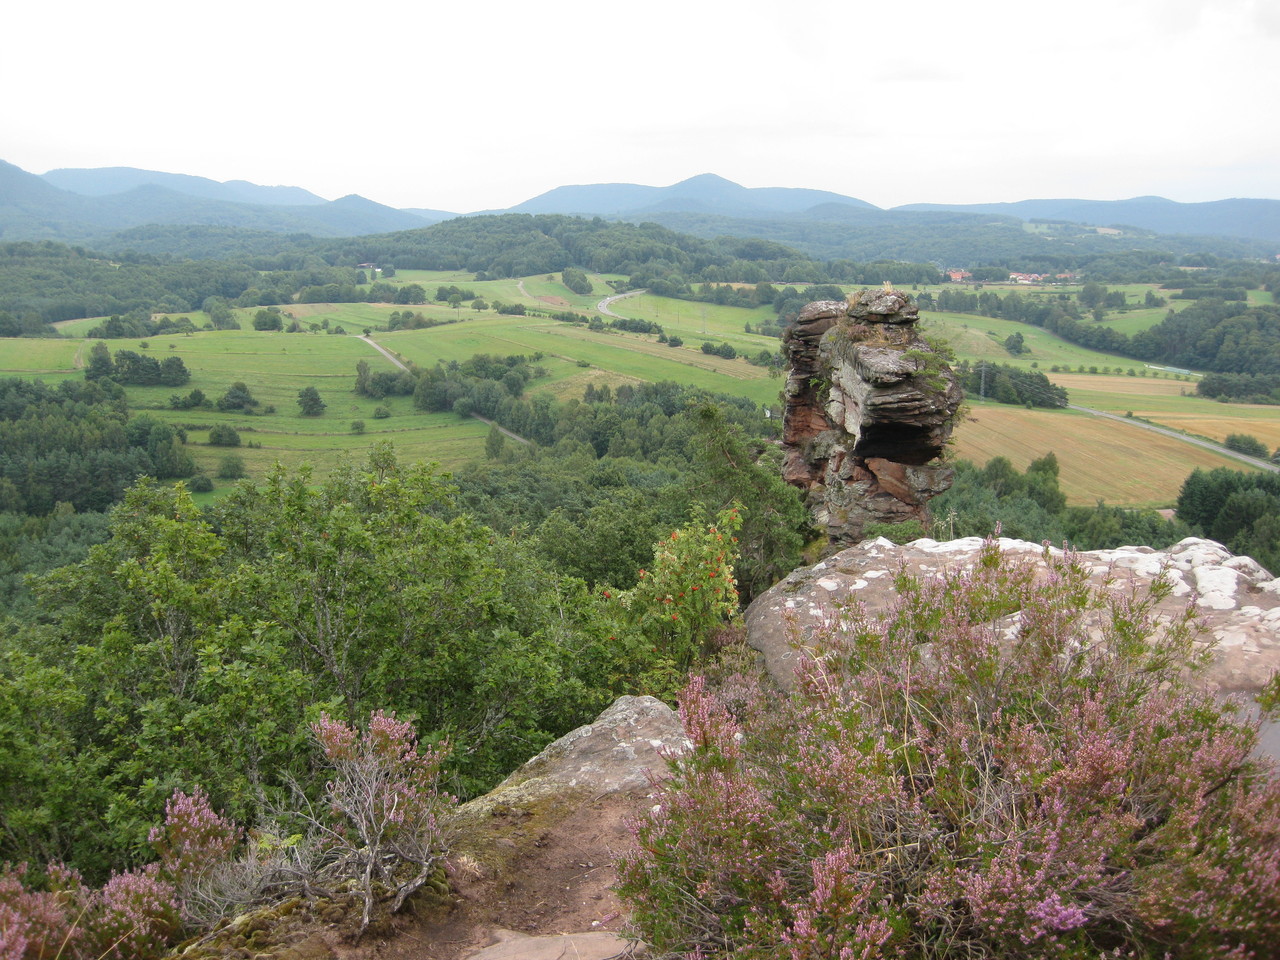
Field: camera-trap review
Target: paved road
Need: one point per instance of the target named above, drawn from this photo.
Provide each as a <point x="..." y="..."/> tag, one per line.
<point x="1206" y="444"/>
<point x="385" y="352"/>
<point x="603" y="305"/>
<point x="399" y="363"/>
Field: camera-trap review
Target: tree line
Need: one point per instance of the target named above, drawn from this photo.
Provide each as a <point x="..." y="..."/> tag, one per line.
<point x="1240" y="510"/>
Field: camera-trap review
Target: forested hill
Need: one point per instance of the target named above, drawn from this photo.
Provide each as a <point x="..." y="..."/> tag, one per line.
<point x="47" y="281"/>
<point x="519" y="245"/>
<point x="949" y="239"/>
<point x="1239" y="217"/>
<point x="953" y="238"/>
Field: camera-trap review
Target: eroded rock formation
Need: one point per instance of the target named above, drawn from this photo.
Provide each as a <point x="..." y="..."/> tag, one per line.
<point x="869" y="405"/>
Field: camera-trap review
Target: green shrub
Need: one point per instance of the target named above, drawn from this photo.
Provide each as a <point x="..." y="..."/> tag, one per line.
<point x="1247" y="444"/>
<point x="223" y="435"/>
<point x="231" y="467"/>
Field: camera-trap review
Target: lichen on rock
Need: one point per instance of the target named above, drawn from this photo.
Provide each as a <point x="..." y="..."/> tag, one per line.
<point x="869" y="407"/>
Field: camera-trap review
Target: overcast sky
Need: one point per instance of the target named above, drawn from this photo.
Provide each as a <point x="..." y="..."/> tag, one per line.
<point x="486" y="104"/>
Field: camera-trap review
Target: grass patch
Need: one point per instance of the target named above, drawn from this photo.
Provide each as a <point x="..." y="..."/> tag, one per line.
<point x="24" y="357"/>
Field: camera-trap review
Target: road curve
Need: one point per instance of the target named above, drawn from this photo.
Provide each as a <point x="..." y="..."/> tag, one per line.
<point x="603" y="305"/>
<point x="1206" y="444"/>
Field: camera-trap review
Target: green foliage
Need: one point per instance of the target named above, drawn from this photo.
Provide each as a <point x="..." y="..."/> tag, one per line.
<point x="237" y="397"/>
<point x="945" y="785"/>
<point x="1247" y="444"/>
<point x="309" y="402"/>
<point x="268" y="319"/>
<point x="688" y="593"/>
<point x="1007" y="384"/>
<point x="494" y="441"/>
<point x="730" y="469"/>
<point x="223" y="435"/>
<point x="1240" y="510"/>
<point x="202" y="648"/>
<point x="1240" y="387"/>
<point x="30" y="546"/>
<point x="1032" y="507"/>
<point x="231" y="467"/>
<point x="576" y="281"/>
<point x="74" y="444"/>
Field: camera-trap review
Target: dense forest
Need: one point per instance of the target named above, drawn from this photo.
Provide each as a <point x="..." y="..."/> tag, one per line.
<point x="76" y="444"/>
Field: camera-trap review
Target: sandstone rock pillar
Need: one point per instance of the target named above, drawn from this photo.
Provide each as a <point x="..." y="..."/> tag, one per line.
<point x="869" y="405"/>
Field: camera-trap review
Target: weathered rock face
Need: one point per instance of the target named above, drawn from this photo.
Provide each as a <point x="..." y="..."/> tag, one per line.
<point x="869" y="405"/>
<point x="1236" y="600"/>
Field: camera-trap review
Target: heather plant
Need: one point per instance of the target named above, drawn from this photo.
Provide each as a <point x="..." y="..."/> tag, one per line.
<point x="37" y="923"/>
<point x="1009" y="763"/>
<point x="135" y="914"/>
<point x="193" y="842"/>
<point x="383" y="819"/>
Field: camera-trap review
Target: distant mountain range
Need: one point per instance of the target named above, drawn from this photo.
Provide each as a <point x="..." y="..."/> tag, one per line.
<point x="706" y="193"/>
<point x="1254" y="219"/>
<point x="92" y="205"/>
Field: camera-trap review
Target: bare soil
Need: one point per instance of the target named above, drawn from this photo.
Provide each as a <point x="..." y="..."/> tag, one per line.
<point x="559" y="878"/>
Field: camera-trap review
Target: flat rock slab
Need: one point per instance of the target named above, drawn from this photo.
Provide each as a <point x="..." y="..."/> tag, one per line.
<point x="1236" y="600"/>
<point x="569" y="946"/>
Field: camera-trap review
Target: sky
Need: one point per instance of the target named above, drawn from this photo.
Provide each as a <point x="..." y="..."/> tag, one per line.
<point x="486" y="104"/>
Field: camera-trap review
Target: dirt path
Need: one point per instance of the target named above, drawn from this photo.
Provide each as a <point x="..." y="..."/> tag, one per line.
<point x="1196" y="441"/>
<point x="385" y="352"/>
<point x="501" y="429"/>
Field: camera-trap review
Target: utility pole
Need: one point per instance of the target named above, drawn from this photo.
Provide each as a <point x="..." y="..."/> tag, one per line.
<point x="983" y="392"/>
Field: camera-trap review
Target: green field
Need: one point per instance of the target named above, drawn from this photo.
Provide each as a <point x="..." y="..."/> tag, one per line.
<point x="1101" y="459"/>
<point x="275" y="366"/>
<point x="49" y="359"/>
<point x="574" y="352"/>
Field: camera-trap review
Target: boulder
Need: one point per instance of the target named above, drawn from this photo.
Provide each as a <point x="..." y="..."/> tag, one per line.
<point x="1237" y="602"/>
<point x="534" y="857"/>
